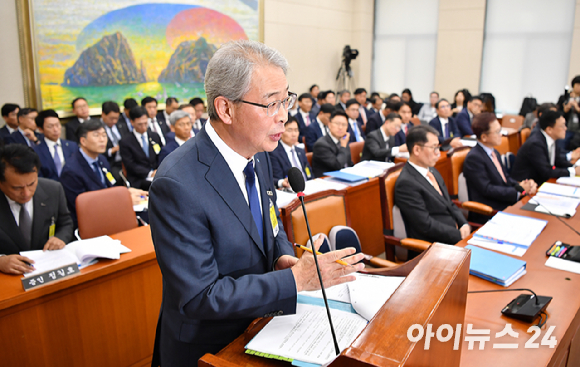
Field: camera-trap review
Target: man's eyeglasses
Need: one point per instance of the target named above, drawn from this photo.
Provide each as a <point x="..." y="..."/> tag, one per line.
<point x="272" y="108"/>
<point x="435" y="148"/>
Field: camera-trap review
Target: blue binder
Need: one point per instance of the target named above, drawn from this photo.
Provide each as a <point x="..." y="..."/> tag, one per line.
<point x="348" y="177"/>
<point x="497" y="268"/>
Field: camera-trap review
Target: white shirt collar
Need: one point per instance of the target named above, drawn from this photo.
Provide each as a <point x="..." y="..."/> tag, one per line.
<point x="443" y="120"/>
<point x="322" y="126"/>
<point x="15" y="209"/>
<point x="422" y="170"/>
<point x="10" y="130"/>
<point x="138" y="136"/>
<point x="470" y="114"/>
<point x="384" y="134"/>
<point x="179" y="141"/>
<point x="335" y="140"/>
<point x="286" y="147"/>
<point x="51" y="143"/>
<point x="549" y="139"/>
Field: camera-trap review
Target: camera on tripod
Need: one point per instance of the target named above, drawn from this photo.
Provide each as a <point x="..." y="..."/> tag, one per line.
<point x="348" y="54"/>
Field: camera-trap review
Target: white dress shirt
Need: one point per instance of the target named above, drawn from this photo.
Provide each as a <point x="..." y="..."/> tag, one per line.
<point x="179" y="141"/>
<point x="51" y="144"/>
<point x="394" y="150"/>
<point x="235" y="162"/>
<point x="444" y="123"/>
<point x="322" y="126"/>
<point x="15" y="209"/>
<point x="154" y="126"/>
<point x="552" y="152"/>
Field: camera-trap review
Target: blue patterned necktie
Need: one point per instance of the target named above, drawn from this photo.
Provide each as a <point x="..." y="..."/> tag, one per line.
<point x="145" y="146"/>
<point x="253" y="198"/>
<point x="57" y="161"/>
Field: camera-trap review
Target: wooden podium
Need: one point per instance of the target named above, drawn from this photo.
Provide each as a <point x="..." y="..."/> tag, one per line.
<point x="434" y="292"/>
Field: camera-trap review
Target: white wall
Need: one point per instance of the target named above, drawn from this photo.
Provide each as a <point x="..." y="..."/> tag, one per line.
<point x="11" y="86"/>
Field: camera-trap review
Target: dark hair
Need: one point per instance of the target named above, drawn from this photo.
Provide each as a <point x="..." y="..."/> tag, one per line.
<point x="305" y="95"/>
<point x="350" y="102"/>
<point x="146" y="100"/>
<point x="322" y="95"/>
<point x="481" y="122"/>
<point x="338" y="112"/>
<point x="326" y="108"/>
<point x="418" y="135"/>
<point x="439" y="101"/>
<point x="393" y="95"/>
<point x="292" y="119"/>
<point x="76" y="100"/>
<point x="42" y="115"/>
<point x="575" y="80"/>
<point x="312" y="87"/>
<point x="130" y="103"/>
<point x="109" y="107"/>
<point x="548" y="119"/>
<point x="137" y="112"/>
<point x="25" y="111"/>
<point x="437" y="93"/>
<point x="472" y="98"/>
<point x="405" y="104"/>
<point x="195" y="101"/>
<point x="375" y="94"/>
<point x="545" y="107"/>
<point x="408" y="91"/>
<point x="87" y="127"/>
<point x="393" y="106"/>
<point x="170" y="100"/>
<point x="359" y="91"/>
<point x="329" y="92"/>
<point x="8" y="108"/>
<point x="22" y="157"/>
<point x="375" y="99"/>
<point x="392" y="116"/>
<point x="185" y="105"/>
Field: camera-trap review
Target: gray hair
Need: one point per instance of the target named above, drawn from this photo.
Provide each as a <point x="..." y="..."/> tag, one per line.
<point x="229" y="71"/>
<point x="178" y="115"/>
<point x="343" y="92"/>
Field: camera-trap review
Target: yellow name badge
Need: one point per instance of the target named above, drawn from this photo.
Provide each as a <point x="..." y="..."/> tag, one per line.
<point x="307" y="171"/>
<point x="111" y="178"/>
<point x="52" y="228"/>
<point x="156" y="148"/>
<point x="274" y="219"/>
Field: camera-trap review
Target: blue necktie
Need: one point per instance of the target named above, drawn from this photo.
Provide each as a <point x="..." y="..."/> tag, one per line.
<point x="57" y="161"/>
<point x="253" y="198"/>
<point x="356" y="133"/>
<point x="296" y="163"/>
<point x="99" y="173"/>
<point x="447" y="130"/>
<point x="145" y="146"/>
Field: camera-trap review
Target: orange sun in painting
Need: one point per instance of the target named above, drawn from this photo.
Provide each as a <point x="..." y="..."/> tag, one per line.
<point x="192" y="24"/>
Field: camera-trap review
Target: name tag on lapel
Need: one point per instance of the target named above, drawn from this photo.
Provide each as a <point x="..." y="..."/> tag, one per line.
<point x="273" y="219"/>
<point x="156" y="148"/>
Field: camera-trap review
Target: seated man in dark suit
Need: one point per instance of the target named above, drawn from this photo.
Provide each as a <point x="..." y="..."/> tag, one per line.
<point x="171" y="104"/>
<point x="360" y="95"/>
<point x="80" y="108"/>
<point x="318" y="128"/>
<point x="288" y="155"/>
<point x="421" y="195"/>
<point x="539" y="158"/>
<point x="331" y="152"/>
<point x="465" y="117"/>
<point x="150" y="105"/>
<point x="384" y="144"/>
<point x="26" y="133"/>
<point x="33" y="211"/>
<point x="199" y="107"/>
<point x="445" y="125"/>
<point x="181" y="126"/>
<point x="378" y="119"/>
<point x="304" y="117"/>
<point x="487" y="179"/>
<point x="140" y="151"/>
<point x="10" y="117"/>
<point x="53" y="151"/>
<point x="406" y="114"/>
<point x="377" y="104"/>
<point x="124" y="124"/>
<point x="354" y="127"/>
<point x="110" y="114"/>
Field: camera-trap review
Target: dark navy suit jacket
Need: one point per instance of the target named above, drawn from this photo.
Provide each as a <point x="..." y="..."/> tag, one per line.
<point x="463" y="123"/>
<point x="17" y="138"/>
<point x="47" y="167"/>
<point x="168" y="148"/>
<point x="281" y="164"/>
<point x="484" y="183"/>
<point x="4" y="133"/>
<point x="78" y="177"/>
<point x="217" y="274"/>
<point x="369" y="114"/>
<point x="136" y="162"/>
<point x="352" y="138"/>
<point x="453" y="130"/>
<point x="302" y="124"/>
<point x="374" y="122"/>
<point x="312" y="133"/>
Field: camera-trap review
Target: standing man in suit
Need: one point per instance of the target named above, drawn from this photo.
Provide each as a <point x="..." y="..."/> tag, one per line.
<point x="343" y="97"/>
<point x="288" y="155"/>
<point x="539" y="159"/>
<point x="222" y="250"/>
<point x="360" y="94"/>
<point x="199" y="107"/>
<point x="421" y="195"/>
<point x="181" y="127"/>
<point x="445" y="125"/>
<point x="465" y="117"/>
<point x="80" y="108"/>
<point x="382" y="144"/>
<point x="110" y="119"/>
<point x="124" y="124"/>
<point x="331" y="152"/>
<point x="487" y="179"/>
<point x="140" y="150"/>
<point x="26" y="133"/>
<point x="53" y="151"/>
<point x="10" y="117"/>
<point x="319" y="128"/>
<point x="150" y="105"/>
<point x="354" y="127"/>
<point x="171" y="104"/>
<point x="33" y="212"/>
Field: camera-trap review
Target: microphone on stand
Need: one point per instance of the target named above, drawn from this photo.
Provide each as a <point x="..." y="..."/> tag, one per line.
<point x="296" y="181"/>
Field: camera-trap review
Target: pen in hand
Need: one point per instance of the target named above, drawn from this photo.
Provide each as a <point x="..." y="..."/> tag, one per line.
<point x="341" y="262"/>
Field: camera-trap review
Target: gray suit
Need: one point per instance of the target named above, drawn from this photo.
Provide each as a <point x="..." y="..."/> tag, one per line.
<point x="49" y="205"/>
<point x="328" y="156"/>
<point x="376" y="148"/>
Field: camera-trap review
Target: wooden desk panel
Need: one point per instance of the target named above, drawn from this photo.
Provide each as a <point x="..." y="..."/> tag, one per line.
<point x="105" y="316"/>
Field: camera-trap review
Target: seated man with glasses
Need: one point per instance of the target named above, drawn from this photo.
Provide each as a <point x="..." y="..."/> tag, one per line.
<point x="488" y="181"/>
<point x="421" y="195"/>
<point x="331" y="152"/>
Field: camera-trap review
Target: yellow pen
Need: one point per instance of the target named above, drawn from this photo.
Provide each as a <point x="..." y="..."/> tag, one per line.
<point x="341" y="262"/>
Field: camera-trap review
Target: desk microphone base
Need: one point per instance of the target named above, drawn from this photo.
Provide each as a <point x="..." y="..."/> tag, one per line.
<point x="524" y="307"/>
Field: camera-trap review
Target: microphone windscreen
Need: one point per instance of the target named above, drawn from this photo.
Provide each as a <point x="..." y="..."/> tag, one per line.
<point x="296" y="180"/>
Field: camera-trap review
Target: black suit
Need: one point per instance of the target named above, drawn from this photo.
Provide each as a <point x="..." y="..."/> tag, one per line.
<point x="116" y="165"/>
<point x="281" y="164"/>
<point x="533" y="161"/>
<point x="484" y="183"/>
<point x="124" y="126"/>
<point x="49" y="204"/>
<point x="136" y="162"/>
<point x="453" y="130"/>
<point x="4" y="133"/>
<point x="328" y="156"/>
<point x="374" y="122"/>
<point x="376" y="148"/>
<point x="427" y="215"/>
<point x="71" y="129"/>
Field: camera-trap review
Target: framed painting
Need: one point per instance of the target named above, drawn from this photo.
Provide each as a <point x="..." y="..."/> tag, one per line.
<point x="115" y="49"/>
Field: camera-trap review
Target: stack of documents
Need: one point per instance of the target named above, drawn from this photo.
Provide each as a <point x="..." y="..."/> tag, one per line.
<point x="553" y="204"/>
<point x="509" y="233"/>
<point x="572" y="181"/>
<point x="497" y="268"/>
<point x="562" y="190"/>
<point x="306" y="336"/>
<point x="284" y="198"/>
<point x="83" y="253"/>
<point x="361" y="171"/>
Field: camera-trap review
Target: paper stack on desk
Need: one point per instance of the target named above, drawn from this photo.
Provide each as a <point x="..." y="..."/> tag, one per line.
<point x="509" y="233"/>
<point x="562" y="190"/>
<point x="552" y="204"/>
<point x="572" y="181"/>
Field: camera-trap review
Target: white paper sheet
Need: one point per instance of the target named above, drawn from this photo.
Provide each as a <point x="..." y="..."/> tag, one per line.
<point x="370" y="292"/>
<point x="555" y="204"/>
<point x="562" y="190"/>
<point x="48" y="260"/>
<point x="493" y="245"/>
<point x="511" y="229"/>
<point x="571" y="181"/>
<point x="561" y="264"/>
